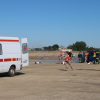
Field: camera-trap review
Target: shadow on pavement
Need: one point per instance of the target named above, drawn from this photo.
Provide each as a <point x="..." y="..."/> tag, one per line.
<point x="62" y="69"/>
<point x="89" y="69"/>
<point x="6" y="74"/>
<point x="58" y="63"/>
<point x="18" y="73"/>
<point x="97" y="70"/>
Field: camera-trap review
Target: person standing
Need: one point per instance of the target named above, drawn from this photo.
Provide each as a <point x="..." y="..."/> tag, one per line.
<point x="59" y="57"/>
<point x="80" y="56"/>
<point x="73" y="55"/>
<point x="94" y="58"/>
<point x="63" y="55"/>
<point x="67" y="61"/>
<point x="85" y="57"/>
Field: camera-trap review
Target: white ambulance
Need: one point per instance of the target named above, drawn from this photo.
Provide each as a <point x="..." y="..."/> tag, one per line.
<point x="13" y="54"/>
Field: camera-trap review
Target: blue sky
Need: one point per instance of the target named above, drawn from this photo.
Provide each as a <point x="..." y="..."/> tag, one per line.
<point x="49" y="22"/>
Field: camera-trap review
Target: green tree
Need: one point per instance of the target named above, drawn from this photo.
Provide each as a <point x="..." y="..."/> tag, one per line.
<point x="87" y="48"/>
<point x="49" y="48"/>
<point x="91" y="49"/>
<point x="55" y="47"/>
<point x="78" y="46"/>
<point x="45" y="48"/>
<point x="70" y="47"/>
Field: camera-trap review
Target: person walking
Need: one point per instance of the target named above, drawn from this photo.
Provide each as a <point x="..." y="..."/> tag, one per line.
<point x="59" y="57"/>
<point x="67" y="61"/>
<point x="70" y="54"/>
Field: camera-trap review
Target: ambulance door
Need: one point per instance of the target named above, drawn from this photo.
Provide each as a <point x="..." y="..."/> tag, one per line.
<point x="1" y="59"/>
<point x="24" y="46"/>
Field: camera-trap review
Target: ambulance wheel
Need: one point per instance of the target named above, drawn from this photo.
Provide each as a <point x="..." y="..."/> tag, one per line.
<point x="11" y="72"/>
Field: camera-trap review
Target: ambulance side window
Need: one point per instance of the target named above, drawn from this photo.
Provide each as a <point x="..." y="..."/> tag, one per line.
<point x="0" y="49"/>
<point x="24" y="48"/>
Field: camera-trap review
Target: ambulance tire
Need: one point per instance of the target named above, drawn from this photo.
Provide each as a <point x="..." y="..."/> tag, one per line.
<point x="11" y="72"/>
<point x="21" y="67"/>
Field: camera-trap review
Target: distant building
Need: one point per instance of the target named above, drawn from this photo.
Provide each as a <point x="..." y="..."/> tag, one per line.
<point x="29" y="49"/>
<point x="64" y="49"/>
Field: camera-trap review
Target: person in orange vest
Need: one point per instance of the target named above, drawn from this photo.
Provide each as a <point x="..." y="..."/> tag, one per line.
<point x="59" y="57"/>
<point x="85" y="56"/>
<point x="68" y="61"/>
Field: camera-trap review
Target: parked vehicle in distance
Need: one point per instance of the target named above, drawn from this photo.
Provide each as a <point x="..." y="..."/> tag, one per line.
<point x="91" y="58"/>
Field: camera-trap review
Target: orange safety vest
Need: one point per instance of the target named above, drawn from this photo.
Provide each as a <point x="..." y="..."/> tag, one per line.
<point x="86" y="54"/>
<point x="59" y="55"/>
<point x="67" y="58"/>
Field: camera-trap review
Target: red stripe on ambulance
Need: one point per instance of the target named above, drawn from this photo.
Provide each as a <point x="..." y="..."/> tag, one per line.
<point x="8" y="59"/>
<point x="13" y="59"/>
<point x="17" y="59"/>
<point x="1" y="60"/>
<point x="6" y="40"/>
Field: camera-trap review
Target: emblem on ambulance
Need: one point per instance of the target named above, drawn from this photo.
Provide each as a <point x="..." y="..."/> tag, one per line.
<point x="24" y="48"/>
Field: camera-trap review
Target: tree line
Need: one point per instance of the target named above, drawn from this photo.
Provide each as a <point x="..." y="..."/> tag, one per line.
<point x="77" y="46"/>
<point x="51" y="48"/>
<point x="81" y="46"/>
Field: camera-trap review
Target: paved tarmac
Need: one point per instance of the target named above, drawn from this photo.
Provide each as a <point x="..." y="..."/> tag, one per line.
<point x="50" y="81"/>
